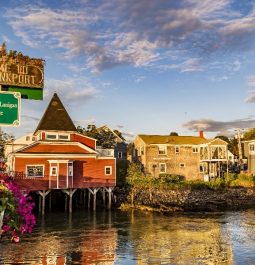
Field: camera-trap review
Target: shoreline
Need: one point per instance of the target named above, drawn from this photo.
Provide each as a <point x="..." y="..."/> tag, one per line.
<point x="183" y="200"/>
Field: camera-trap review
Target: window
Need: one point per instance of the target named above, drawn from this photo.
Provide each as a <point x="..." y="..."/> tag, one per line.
<point x="28" y="138"/>
<point x="162" y="168"/>
<point x="108" y="170"/>
<point x="53" y="170"/>
<point x="119" y="154"/>
<point x="177" y="149"/>
<point x="252" y="147"/>
<point x="195" y="149"/>
<point x="63" y="137"/>
<point x="142" y="150"/>
<point x="161" y="149"/>
<point x="33" y="138"/>
<point x="70" y="169"/>
<point x="35" y="170"/>
<point x="51" y="136"/>
<point x="182" y="165"/>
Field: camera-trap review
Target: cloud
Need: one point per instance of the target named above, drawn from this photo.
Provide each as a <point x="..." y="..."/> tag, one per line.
<point x="219" y="126"/>
<point x="107" y="34"/>
<point x="73" y="90"/>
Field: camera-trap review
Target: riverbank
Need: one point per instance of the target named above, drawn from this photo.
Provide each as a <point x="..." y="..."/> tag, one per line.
<point x="182" y="200"/>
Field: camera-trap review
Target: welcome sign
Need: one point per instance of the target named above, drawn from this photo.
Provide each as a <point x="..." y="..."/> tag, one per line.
<point x="10" y="108"/>
<point x="20" y="73"/>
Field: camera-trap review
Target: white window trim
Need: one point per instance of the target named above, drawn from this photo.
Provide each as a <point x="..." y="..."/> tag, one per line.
<point x="108" y="167"/>
<point x="64" y="134"/>
<point x="51" y="169"/>
<point x="47" y="134"/>
<point x="160" y="167"/>
<point x="194" y="149"/>
<point x="163" y="147"/>
<point x="34" y="165"/>
<point x="119" y="154"/>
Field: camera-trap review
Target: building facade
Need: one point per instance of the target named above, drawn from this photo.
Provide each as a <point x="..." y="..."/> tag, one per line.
<point x="190" y="157"/>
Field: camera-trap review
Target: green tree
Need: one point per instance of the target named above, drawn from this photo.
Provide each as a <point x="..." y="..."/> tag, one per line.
<point x="223" y="137"/>
<point x="249" y="135"/>
<point x="173" y="134"/>
<point x="104" y="138"/>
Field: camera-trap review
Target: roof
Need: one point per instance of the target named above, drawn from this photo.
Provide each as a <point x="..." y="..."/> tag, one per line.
<point x="167" y="139"/>
<point x="56" y="117"/>
<point x="56" y="148"/>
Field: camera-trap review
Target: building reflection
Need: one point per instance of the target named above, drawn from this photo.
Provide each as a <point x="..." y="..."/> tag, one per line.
<point x="181" y="240"/>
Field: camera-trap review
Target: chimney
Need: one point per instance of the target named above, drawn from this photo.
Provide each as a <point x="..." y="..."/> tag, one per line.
<point x="201" y="134"/>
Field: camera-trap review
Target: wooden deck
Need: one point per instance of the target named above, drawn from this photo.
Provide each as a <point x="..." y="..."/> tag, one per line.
<point x="61" y="182"/>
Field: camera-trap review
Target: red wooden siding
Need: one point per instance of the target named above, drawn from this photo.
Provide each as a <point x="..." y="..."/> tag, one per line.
<point x="87" y="172"/>
<point x="83" y="139"/>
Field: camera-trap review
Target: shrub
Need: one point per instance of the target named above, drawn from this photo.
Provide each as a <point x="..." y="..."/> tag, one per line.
<point x="16" y="210"/>
<point x="169" y="178"/>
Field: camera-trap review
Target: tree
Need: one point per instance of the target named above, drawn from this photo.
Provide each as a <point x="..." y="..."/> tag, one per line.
<point x="119" y="134"/>
<point x="223" y="137"/>
<point x="250" y="135"/>
<point x="173" y="134"/>
<point x="104" y="138"/>
<point x="4" y="138"/>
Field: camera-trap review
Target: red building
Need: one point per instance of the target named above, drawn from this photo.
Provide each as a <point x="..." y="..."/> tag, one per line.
<point x="61" y="158"/>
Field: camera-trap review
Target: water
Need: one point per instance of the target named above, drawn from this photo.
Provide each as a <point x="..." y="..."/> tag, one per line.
<point x="136" y="238"/>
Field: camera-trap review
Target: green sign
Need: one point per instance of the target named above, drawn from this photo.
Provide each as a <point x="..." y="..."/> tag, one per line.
<point x="9" y="108"/>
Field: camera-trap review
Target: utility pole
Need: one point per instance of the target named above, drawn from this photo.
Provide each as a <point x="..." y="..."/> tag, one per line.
<point x="240" y="153"/>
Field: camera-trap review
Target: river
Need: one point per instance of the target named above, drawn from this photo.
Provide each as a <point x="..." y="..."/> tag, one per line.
<point x="136" y="238"/>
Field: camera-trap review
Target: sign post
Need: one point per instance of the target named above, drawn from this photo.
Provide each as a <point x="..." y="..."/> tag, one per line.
<point x="10" y="108"/>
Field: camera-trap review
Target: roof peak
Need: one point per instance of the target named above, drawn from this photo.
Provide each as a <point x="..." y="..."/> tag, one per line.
<point x="55" y="117"/>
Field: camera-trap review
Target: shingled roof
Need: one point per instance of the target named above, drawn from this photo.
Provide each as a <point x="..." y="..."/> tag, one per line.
<point x="56" y="117"/>
<point x="167" y="139"/>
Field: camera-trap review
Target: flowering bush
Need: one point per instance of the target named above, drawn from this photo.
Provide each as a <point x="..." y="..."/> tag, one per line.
<point x="15" y="210"/>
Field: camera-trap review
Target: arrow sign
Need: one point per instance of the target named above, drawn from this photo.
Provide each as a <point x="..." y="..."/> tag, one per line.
<point x="10" y="108"/>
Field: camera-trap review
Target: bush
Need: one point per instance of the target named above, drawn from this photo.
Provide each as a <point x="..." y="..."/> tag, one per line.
<point x="169" y="178"/>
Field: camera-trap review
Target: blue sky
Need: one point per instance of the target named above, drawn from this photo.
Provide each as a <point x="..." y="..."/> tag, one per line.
<point x="142" y="66"/>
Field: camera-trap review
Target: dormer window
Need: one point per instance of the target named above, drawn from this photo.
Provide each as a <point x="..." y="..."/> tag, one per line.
<point x="55" y="136"/>
<point x="51" y="136"/>
<point x="63" y="137"/>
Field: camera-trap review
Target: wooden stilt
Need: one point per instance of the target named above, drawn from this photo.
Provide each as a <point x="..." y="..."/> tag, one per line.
<point x="43" y="195"/>
<point x="65" y="203"/>
<point x="50" y="201"/>
<point x="94" y="192"/>
<point x="70" y="193"/>
<point x="84" y="198"/>
<point x="39" y="203"/>
<point x="89" y="199"/>
<point x="109" y="190"/>
<point x="103" y="194"/>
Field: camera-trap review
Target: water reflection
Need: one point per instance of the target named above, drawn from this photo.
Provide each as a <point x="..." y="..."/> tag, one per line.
<point x="136" y="238"/>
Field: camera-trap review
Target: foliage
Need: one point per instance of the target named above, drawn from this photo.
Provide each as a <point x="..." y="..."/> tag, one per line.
<point x="249" y="135"/>
<point x="104" y="138"/>
<point x="223" y="137"/>
<point x="173" y="134"/>
<point x="169" y="178"/>
<point x="4" y="138"/>
<point x="121" y="172"/>
<point x="17" y="209"/>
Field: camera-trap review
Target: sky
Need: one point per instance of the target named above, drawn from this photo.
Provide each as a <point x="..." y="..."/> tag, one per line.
<point x="139" y="66"/>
